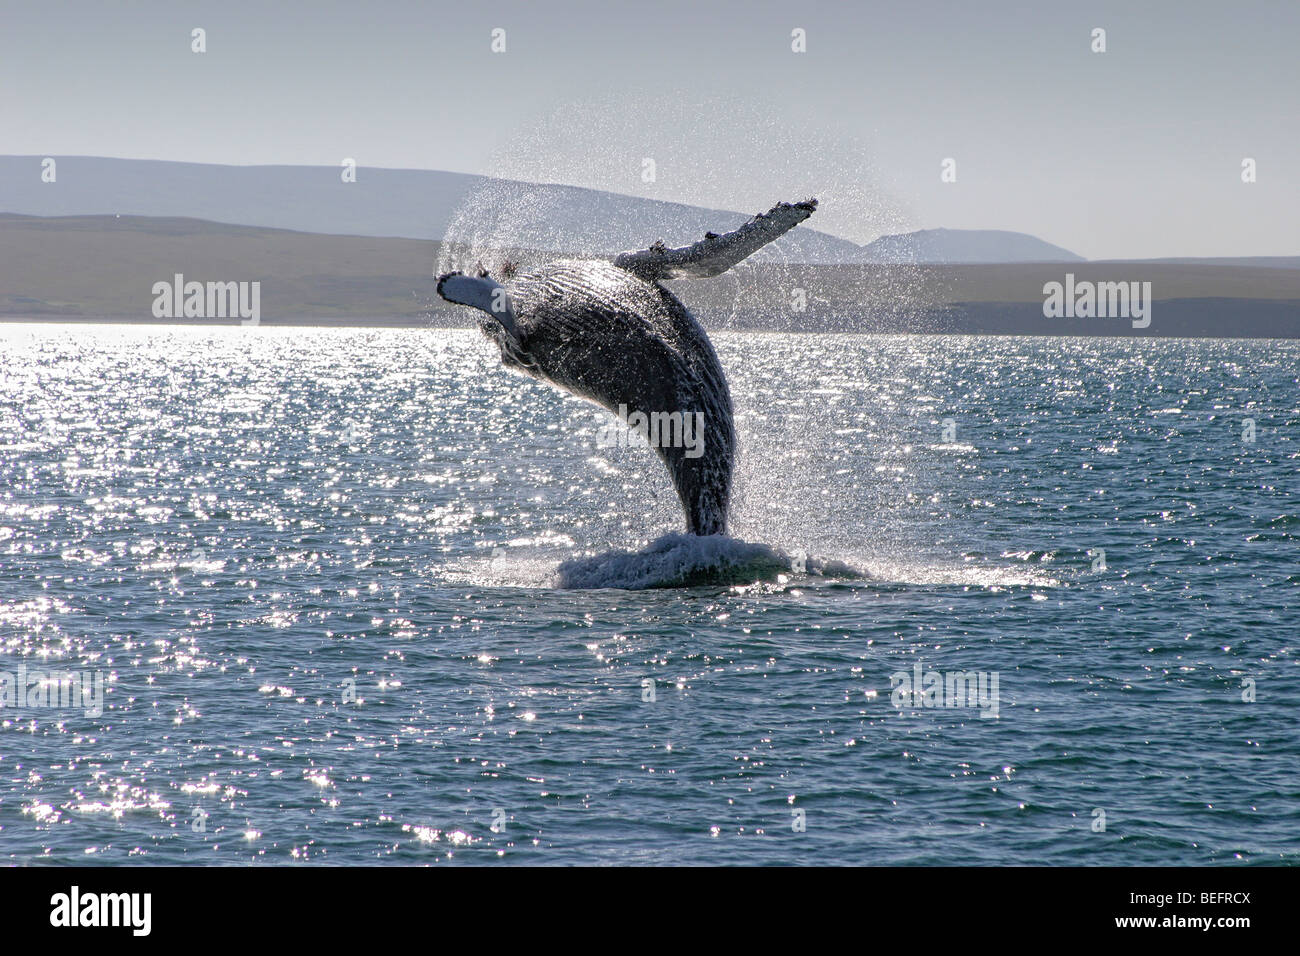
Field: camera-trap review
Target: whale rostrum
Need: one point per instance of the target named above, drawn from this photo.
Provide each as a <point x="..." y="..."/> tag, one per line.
<point x="609" y="332"/>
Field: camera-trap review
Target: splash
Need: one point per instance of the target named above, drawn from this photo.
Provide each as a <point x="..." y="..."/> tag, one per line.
<point x="685" y="561"/>
<point x="593" y="179"/>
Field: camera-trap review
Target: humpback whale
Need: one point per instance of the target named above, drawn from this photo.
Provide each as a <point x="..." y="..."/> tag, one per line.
<point x="610" y="332"/>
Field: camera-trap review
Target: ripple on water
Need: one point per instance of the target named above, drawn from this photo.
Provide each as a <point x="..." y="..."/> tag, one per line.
<point x="317" y="571"/>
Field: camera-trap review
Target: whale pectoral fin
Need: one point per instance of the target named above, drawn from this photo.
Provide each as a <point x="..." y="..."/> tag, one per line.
<point x="714" y="254"/>
<point x="480" y="293"/>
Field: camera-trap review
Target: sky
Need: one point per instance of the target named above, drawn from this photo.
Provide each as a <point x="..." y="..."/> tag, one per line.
<point x="1131" y="153"/>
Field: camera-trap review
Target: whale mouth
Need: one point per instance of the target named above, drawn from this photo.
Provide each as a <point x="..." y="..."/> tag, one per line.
<point x="692" y="561"/>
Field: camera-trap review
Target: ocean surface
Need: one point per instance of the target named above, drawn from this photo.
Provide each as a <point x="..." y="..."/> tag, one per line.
<point x="318" y="573"/>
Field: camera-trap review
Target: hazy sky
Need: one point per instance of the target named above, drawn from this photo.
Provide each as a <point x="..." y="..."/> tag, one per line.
<point x="1129" y="153"/>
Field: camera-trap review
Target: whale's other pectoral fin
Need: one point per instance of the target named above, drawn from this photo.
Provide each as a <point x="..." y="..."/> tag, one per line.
<point x="714" y="254"/>
<point x="482" y="294"/>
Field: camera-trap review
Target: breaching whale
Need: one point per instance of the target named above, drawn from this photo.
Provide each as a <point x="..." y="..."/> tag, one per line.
<point x="611" y="333"/>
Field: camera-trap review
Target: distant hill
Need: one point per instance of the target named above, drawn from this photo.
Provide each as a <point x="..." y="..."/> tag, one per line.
<point x="427" y="204"/>
<point x="397" y="203"/>
<point x="423" y="204"/>
<point x="105" y="266"/>
<point x="1255" y="262"/>
<point x="959" y="246"/>
<point x="94" y="268"/>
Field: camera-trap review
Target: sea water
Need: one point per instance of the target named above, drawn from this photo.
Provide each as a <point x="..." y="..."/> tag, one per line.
<point x="985" y="601"/>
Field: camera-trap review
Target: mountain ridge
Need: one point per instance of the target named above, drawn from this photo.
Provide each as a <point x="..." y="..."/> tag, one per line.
<point x="965" y="246"/>
<point x="412" y="204"/>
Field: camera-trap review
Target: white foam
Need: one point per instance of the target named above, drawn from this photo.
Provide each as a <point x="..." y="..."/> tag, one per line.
<point x="685" y="560"/>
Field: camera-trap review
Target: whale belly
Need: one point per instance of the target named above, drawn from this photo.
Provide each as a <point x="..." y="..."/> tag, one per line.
<point x="631" y="346"/>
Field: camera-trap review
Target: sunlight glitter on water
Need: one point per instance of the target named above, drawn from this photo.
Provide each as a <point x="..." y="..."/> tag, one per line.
<point x="317" y="568"/>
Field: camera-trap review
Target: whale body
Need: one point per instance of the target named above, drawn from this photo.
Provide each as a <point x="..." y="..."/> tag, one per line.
<point x="611" y="333"/>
